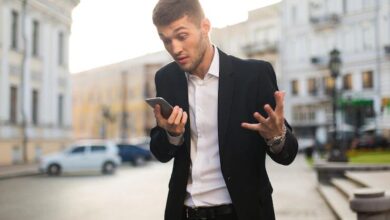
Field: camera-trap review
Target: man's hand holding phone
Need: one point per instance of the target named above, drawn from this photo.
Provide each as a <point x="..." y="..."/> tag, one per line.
<point x="175" y="124"/>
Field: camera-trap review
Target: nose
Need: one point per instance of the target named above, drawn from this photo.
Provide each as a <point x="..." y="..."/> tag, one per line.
<point x="177" y="47"/>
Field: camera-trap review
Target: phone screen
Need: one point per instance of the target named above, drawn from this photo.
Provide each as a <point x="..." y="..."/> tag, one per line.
<point x="166" y="108"/>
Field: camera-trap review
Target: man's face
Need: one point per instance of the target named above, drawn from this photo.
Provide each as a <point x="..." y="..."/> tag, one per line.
<point x="185" y="41"/>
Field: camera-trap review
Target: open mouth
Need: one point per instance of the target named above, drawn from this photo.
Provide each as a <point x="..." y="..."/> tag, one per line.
<point x="182" y="60"/>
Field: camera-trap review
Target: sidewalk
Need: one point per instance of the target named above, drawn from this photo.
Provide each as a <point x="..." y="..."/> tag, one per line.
<point x="19" y="170"/>
<point x="295" y="192"/>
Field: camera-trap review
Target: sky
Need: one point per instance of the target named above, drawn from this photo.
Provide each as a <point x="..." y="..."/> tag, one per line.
<point x="110" y="31"/>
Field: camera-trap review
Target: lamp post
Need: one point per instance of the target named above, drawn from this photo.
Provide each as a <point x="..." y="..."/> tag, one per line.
<point x="337" y="153"/>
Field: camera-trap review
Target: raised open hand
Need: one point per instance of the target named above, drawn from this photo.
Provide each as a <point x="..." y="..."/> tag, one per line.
<point x="273" y="125"/>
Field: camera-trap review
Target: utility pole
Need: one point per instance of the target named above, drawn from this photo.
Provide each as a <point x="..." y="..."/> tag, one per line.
<point x="24" y="82"/>
<point x="124" y="124"/>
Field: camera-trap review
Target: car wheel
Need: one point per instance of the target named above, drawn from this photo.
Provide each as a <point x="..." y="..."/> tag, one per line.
<point x="108" y="168"/>
<point x="54" y="170"/>
<point x="138" y="161"/>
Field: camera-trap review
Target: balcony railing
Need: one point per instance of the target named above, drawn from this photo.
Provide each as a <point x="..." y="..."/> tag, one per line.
<point x="325" y="21"/>
<point x="319" y="61"/>
<point x="260" y="48"/>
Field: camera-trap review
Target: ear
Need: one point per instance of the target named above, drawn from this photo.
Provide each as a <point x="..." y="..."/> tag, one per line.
<point x="206" y="26"/>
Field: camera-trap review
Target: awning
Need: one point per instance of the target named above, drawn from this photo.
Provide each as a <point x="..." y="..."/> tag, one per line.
<point x="355" y="102"/>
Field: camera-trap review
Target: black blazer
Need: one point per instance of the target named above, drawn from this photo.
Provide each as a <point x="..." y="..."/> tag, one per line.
<point x="245" y="86"/>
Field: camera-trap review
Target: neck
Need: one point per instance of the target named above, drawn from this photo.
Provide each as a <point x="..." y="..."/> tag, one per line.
<point x="204" y="66"/>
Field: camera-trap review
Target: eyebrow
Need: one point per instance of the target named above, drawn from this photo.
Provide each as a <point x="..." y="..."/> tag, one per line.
<point x="175" y="31"/>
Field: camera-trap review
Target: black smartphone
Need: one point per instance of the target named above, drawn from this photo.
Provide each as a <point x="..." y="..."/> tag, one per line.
<point x="166" y="108"/>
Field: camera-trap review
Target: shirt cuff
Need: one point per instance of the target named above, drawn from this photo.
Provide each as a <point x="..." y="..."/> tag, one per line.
<point x="277" y="148"/>
<point x="175" y="140"/>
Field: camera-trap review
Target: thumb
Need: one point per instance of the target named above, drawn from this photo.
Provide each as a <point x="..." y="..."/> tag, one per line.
<point x="157" y="113"/>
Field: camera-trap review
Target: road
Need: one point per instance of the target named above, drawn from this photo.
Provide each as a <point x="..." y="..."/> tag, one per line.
<point x="132" y="193"/>
<point x="140" y="193"/>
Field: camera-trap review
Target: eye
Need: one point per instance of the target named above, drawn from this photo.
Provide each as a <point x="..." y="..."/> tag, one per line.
<point x="182" y="36"/>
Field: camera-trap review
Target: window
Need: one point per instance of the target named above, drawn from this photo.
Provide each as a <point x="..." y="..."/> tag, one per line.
<point x="60" y="110"/>
<point x="14" y="31"/>
<point x="294" y="87"/>
<point x="312" y="86"/>
<point x="17" y="155"/>
<point x="329" y="85"/>
<point x="347" y="81"/>
<point x="78" y="150"/>
<point x="13" y="104"/>
<point x="368" y="80"/>
<point x="61" y="48"/>
<point x="35" y="107"/>
<point x="35" y="38"/>
<point x="368" y="36"/>
<point x="38" y="153"/>
<point x="345" y="6"/>
<point x="294" y="14"/>
<point x="98" y="149"/>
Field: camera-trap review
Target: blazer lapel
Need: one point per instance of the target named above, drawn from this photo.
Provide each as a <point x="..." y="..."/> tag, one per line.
<point x="225" y="96"/>
<point x="182" y="101"/>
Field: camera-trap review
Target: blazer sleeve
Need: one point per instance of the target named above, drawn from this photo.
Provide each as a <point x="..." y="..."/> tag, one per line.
<point x="290" y="148"/>
<point x="160" y="146"/>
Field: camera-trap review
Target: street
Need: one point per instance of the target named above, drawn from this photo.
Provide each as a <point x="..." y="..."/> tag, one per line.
<point x="140" y="193"/>
<point x="132" y="193"/>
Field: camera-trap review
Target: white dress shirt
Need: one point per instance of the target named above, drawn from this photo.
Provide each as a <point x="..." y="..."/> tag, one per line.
<point x="206" y="186"/>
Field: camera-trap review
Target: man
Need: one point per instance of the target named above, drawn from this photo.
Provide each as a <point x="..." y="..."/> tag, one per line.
<point x="228" y="115"/>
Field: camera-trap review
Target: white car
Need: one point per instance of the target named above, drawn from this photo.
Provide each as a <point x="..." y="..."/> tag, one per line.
<point x="83" y="156"/>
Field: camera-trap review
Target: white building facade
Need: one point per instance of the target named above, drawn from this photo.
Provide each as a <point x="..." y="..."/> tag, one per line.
<point x="360" y="30"/>
<point x="34" y="78"/>
<point x="257" y="38"/>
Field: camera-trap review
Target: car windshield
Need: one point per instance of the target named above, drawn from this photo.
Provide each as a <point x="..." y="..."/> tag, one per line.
<point x="78" y="150"/>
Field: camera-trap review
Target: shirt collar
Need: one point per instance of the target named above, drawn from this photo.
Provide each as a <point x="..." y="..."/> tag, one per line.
<point x="214" y="67"/>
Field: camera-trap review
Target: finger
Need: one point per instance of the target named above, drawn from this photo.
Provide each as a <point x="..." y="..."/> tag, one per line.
<point x="253" y="127"/>
<point x="279" y="98"/>
<point x="157" y="112"/>
<point x="184" y="118"/>
<point x="259" y="118"/>
<point x="270" y="111"/>
<point x="178" y="117"/>
<point x="173" y="115"/>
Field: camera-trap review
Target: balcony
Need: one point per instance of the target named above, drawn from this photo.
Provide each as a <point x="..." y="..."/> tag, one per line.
<point x="325" y="21"/>
<point x="260" y="48"/>
<point x="319" y="61"/>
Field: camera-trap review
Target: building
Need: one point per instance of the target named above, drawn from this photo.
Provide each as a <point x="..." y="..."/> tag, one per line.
<point x="257" y="38"/>
<point x="360" y="30"/>
<point x="35" y="92"/>
<point x="109" y="101"/>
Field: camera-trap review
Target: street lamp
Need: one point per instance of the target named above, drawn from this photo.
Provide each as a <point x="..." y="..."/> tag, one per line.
<point x="337" y="153"/>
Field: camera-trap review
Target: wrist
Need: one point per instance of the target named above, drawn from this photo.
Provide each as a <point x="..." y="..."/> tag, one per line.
<point x="174" y="134"/>
<point x="276" y="140"/>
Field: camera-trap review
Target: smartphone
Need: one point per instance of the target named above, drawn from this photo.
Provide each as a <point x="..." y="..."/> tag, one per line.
<point x="166" y="108"/>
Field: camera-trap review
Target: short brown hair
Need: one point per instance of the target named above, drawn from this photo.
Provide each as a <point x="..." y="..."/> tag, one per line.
<point x="168" y="11"/>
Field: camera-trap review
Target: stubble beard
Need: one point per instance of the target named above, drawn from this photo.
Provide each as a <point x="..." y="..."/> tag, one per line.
<point x="198" y="57"/>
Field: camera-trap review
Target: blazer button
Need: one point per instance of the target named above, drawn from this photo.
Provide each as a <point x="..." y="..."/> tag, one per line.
<point x="229" y="178"/>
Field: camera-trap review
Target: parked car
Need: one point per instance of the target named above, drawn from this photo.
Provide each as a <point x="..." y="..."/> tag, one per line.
<point x="83" y="156"/>
<point x="134" y="154"/>
<point x="371" y="141"/>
